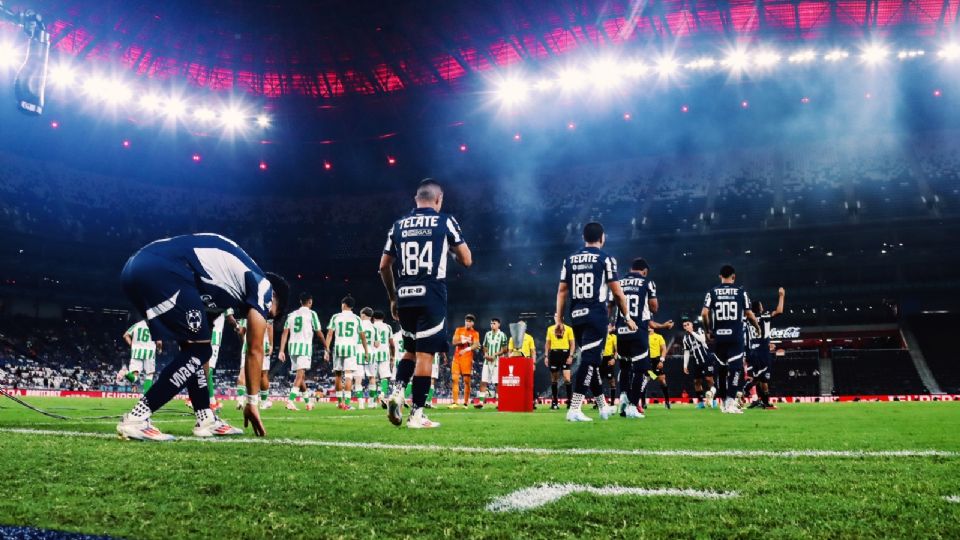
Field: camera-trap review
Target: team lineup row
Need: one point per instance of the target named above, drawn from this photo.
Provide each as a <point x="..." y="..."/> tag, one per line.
<point x="187" y="286"/>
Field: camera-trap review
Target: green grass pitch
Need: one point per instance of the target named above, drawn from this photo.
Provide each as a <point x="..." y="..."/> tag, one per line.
<point x="301" y="482"/>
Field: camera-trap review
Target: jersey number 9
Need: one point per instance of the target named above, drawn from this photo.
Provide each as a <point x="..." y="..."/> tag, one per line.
<point x="582" y="286"/>
<point x="298" y="324"/>
<point x="416" y="257"/>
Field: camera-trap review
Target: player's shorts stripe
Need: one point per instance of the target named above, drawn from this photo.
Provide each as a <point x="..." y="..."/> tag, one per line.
<point x="761" y="372"/>
<point x="163" y="307"/>
<point x="589" y="346"/>
<point x="640" y="356"/>
<point x="737" y="357"/>
<point x="432" y="331"/>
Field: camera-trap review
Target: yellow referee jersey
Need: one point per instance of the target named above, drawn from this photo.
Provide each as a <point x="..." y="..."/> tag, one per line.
<point x="610" y="345"/>
<point x="657" y="345"/>
<point x="559" y="343"/>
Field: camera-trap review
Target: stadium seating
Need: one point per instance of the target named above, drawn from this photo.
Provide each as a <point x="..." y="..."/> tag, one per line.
<point x="935" y="334"/>
<point x="883" y="371"/>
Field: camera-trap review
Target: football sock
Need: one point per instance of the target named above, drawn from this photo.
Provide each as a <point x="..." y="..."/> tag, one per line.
<point x="185" y="370"/>
<point x="385" y="387"/>
<point x="264" y="395"/>
<point x="293" y="395"/>
<point x="666" y="393"/>
<point x="601" y="401"/>
<point x="202" y="415"/>
<point x="576" y="401"/>
<point x="555" y="390"/>
<point x="408" y="391"/>
<point x="131" y="376"/>
<point x="147" y="384"/>
<point x="141" y="410"/>
<point x="430" y="392"/>
<point x="568" y="388"/>
<point x="405" y="371"/>
<point x="421" y="387"/>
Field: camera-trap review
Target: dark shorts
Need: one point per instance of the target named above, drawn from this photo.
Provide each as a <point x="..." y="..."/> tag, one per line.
<point x="165" y="292"/>
<point x="633" y="349"/>
<point x="728" y="351"/>
<point x="653" y="371"/>
<point x="699" y="371"/>
<point x="759" y="362"/>
<point x="558" y="361"/>
<point x="590" y="332"/>
<point x="424" y="328"/>
<point x="607" y="370"/>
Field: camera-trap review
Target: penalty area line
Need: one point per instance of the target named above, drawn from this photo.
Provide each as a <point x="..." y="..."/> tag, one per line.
<point x="518" y="450"/>
<point x="543" y="494"/>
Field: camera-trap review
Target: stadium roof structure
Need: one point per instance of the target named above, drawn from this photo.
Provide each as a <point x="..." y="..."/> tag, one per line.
<point x="337" y="48"/>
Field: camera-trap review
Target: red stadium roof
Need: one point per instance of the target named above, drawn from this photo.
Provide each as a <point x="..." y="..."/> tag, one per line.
<point x="360" y="47"/>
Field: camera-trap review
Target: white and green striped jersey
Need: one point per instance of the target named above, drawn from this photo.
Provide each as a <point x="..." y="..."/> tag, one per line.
<point x="493" y="343"/>
<point x="346" y="329"/>
<point x="303" y="325"/>
<point x="398" y="348"/>
<point x="142" y="347"/>
<point x="216" y="337"/>
<point x="381" y="342"/>
<point x="366" y="326"/>
<point x="242" y="323"/>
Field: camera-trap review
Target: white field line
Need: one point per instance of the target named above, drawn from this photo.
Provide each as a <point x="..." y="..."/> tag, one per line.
<point x="191" y="420"/>
<point x="952" y="499"/>
<point x="537" y="496"/>
<point x="787" y="454"/>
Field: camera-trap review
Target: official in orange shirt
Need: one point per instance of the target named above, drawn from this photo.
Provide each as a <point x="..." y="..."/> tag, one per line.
<point x="465" y="341"/>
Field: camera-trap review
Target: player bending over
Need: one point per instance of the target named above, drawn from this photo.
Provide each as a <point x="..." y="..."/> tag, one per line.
<point x="180" y="284"/>
<point x="758" y="353"/>
<point x="143" y="354"/>
<point x="494" y="346"/>
<point x="589" y="276"/>
<point x="558" y="356"/>
<point x="264" y="395"/>
<point x="348" y="343"/>
<point x="299" y="330"/>
<point x="414" y="272"/>
<point x="724" y="309"/>
<point x="699" y="363"/>
<point x="216" y="340"/>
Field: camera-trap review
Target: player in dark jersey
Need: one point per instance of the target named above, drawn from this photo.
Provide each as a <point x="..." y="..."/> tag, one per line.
<point x="641" y="294"/>
<point x="758" y="353"/>
<point x="590" y="277"/>
<point x="724" y="309"/>
<point x="181" y="285"/>
<point x="699" y="363"/>
<point x="414" y="271"/>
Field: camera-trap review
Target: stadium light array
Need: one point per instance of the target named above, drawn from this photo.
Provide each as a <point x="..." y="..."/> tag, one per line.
<point x="950" y="51"/>
<point x="836" y="55"/>
<point x="512" y="91"/>
<point x="874" y="53"/>
<point x="62" y="75"/>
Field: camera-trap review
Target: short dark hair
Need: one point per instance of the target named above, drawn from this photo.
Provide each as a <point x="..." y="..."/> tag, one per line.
<point x="281" y="291"/>
<point x="592" y="232"/>
<point x="428" y="190"/>
<point x="495" y="319"/>
<point x="639" y="264"/>
<point x="378" y="315"/>
<point x="727" y="271"/>
<point x="348" y="301"/>
<point x="470" y="317"/>
<point x="755" y="306"/>
<point x="305" y="297"/>
<point x="368" y="311"/>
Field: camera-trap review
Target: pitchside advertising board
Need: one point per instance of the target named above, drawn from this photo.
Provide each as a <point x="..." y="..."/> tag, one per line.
<point x="792" y="332"/>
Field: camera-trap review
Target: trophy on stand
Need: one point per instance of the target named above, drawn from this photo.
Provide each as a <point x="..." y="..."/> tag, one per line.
<point x="518" y="331"/>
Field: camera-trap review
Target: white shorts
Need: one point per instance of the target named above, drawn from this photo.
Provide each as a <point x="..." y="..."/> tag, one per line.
<point x="370" y="370"/>
<point x="264" y="367"/>
<point x="489" y="373"/>
<point x="384" y="370"/>
<point x="139" y="365"/>
<point x="301" y="362"/>
<point x="348" y="364"/>
<point x="213" y="357"/>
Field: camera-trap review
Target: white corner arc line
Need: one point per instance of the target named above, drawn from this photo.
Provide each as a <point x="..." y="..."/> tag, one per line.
<point x="537" y="496"/>
<point x="955" y="499"/>
<point x="512" y="450"/>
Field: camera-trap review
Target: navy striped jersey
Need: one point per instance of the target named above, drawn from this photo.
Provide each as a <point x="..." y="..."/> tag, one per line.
<point x="588" y="273"/>
<point x="763" y="338"/>
<point x="420" y="243"/>
<point x="696" y="344"/>
<point x="226" y="276"/>
<point x="727" y="304"/>
<point x="638" y="290"/>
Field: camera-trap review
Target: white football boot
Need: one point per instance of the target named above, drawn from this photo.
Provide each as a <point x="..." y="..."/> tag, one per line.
<point x="140" y="430"/>
<point x="576" y="415"/>
<point x="418" y="420"/>
<point x="214" y="427"/>
<point x="633" y="412"/>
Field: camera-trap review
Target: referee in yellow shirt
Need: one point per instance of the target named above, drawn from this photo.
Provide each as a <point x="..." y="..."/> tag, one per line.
<point x="658" y="353"/>
<point x="559" y="358"/>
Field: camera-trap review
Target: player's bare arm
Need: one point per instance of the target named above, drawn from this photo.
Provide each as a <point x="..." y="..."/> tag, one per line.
<point x="781" y="293"/>
<point x="705" y="319"/>
<point x="561" y="306"/>
<point x="255" y="332"/>
<point x="283" y="345"/>
<point x="753" y="320"/>
<point x="462" y="255"/>
<point x="128" y="338"/>
<point x="386" y="275"/>
<point x="323" y="340"/>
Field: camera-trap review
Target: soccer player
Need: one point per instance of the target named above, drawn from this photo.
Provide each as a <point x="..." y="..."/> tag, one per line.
<point x="589" y="276"/>
<point x="658" y="355"/>
<point x="419" y="244"/>
<point x="558" y="356"/>
<point x="349" y="344"/>
<point x="383" y="354"/>
<point x="703" y="362"/>
<point x="143" y="354"/>
<point x="441" y="357"/>
<point x="366" y="366"/>
<point x="264" y="397"/>
<point x="299" y="330"/>
<point x="466" y="340"/>
<point x="642" y="302"/>
<point x="398" y="352"/>
<point x="179" y="284"/>
<point x="724" y="309"/>
<point x="494" y="346"/>
<point x="216" y="340"/>
<point x="608" y="363"/>
<point x="758" y="354"/>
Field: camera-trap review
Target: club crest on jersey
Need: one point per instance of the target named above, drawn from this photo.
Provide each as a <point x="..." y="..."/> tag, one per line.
<point x="194" y="321"/>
